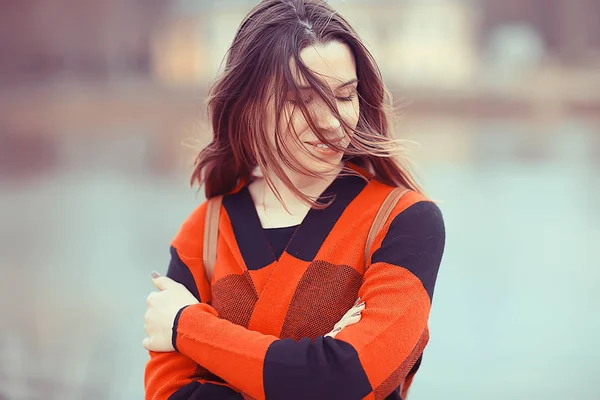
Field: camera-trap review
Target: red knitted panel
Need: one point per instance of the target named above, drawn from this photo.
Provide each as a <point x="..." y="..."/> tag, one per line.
<point x="324" y="294"/>
<point x="234" y="298"/>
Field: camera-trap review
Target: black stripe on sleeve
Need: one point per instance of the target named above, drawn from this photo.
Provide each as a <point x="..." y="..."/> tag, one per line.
<point x="415" y="241"/>
<point x="180" y="272"/>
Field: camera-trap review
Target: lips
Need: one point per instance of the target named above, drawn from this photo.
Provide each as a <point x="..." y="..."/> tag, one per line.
<point x="315" y="143"/>
<point x="327" y="151"/>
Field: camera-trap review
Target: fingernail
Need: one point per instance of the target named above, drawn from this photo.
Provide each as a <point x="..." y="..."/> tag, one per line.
<point x="356" y="314"/>
<point x="336" y="330"/>
<point x="154" y="274"/>
<point x="356" y="302"/>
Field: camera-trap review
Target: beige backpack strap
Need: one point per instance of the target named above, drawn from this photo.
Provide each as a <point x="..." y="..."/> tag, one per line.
<point x="211" y="233"/>
<point x="382" y="215"/>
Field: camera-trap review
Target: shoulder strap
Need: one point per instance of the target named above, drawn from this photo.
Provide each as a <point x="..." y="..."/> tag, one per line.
<point x="382" y="215"/>
<point x="211" y="232"/>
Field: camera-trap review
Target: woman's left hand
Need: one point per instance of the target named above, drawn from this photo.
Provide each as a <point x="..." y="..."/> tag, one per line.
<point x="163" y="306"/>
<point x="351" y="317"/>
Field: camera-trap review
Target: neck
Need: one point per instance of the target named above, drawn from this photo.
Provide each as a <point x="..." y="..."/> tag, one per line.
<point x="274" y="213"/>
<point x="308" y="185"/>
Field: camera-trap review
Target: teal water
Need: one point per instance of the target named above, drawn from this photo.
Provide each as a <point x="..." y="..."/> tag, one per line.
<point x="514" y="312"/>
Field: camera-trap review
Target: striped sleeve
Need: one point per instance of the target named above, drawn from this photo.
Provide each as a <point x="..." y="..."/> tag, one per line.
<point x="370" y="359"/>
<point x="172" y="375"/>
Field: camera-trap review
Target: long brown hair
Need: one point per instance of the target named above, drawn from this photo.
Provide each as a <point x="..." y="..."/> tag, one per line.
<point x="258" y="70"/>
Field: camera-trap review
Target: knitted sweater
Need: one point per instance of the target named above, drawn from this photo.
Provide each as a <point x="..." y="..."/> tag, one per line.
<point x="259" y="329"/>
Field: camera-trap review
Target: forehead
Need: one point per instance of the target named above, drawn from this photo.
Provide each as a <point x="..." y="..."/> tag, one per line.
<point x="333" y="62"/>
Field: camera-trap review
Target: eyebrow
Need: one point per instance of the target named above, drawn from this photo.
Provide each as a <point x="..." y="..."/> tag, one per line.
<point x="350" y="82"/>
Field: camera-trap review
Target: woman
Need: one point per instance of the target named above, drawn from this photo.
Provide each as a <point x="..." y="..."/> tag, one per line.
<point x="302" y="153"/>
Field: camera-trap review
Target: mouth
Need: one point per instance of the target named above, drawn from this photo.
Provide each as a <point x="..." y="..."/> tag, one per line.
<point x="322" y="148"/>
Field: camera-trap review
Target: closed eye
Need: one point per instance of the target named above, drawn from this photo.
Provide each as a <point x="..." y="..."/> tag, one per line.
<point x="306" y="100"/>
<point x="347" y="98"/>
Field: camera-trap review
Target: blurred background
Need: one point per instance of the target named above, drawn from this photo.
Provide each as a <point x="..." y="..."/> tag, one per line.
<point x="100" y="99"/>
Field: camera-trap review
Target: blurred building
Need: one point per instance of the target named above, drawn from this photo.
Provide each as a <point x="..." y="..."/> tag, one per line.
<point x="570" y="29"/>
<point x="185" y="40"/>
<point x="420" y="44"/>
<point x="43" y="41"/>
<point x="97" y="69"/>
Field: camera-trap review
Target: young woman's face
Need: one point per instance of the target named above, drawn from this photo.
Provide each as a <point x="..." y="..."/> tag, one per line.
<point x="333" y="63"/>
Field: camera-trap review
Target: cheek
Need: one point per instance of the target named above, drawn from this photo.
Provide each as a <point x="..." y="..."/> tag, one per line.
<point x="350" y="112"/>
<point x="293" y="124"/>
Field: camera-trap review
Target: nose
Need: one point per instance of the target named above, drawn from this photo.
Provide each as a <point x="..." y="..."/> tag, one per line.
<point x="327" y="121"/>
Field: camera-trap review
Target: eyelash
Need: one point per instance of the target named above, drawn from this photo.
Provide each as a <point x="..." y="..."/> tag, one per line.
<point x="348" y="98"/>
<point x="344" y="99"/>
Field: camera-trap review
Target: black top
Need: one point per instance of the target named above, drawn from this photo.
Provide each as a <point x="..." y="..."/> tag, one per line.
<point x="279" y="238"/>
<point x="310" y="235"/>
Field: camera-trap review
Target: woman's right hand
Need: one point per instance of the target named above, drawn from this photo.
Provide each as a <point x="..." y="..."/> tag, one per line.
<point x="350" y="318"/>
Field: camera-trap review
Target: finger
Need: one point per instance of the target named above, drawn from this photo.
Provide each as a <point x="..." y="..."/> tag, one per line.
<point x="150" y="300"/>
<point x="163" y="283"/>
<point x="353" y="320"/>
<point x="349" y="320"/>
<point x="357" y="308"/>
<point x="342" y="323"/>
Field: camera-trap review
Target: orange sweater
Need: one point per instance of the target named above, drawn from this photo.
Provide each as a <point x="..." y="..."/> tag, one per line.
<point x="259" y="329"/>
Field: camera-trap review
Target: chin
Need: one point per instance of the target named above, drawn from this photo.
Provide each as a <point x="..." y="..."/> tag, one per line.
<point x="325" y="167"/>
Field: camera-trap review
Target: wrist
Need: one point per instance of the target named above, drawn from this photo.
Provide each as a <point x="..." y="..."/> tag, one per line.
<point x="194" y="311"/>
<point x="174" y="328"/>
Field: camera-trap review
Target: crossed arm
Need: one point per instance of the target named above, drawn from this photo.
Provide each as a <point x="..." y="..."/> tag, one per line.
<point x="369" y="359"/>
<point x="172" y="375"/>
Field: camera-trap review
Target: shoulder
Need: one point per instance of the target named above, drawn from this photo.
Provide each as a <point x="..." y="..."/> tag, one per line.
<point x="414" y="239"/>
<point x="414" y="212"/>
<point x="417" y="217"/>
<point x="189" y="238"/>
<point x="420" y="213"/>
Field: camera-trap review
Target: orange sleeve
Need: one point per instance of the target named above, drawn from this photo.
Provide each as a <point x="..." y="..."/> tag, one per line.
<point x="370" y="359"/>
<point x="173" y="375"/>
